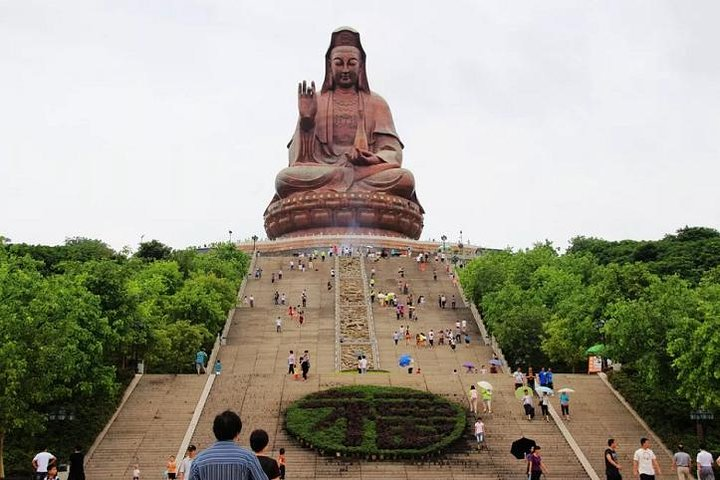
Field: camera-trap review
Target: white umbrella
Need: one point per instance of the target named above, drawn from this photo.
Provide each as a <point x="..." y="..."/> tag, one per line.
<point x="485" y="385"/>
<point x="566" y="390"/>
<point x="542" y="390"/>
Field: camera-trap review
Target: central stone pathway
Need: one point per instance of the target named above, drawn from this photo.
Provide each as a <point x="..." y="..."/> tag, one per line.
<point x="355" y="333"/>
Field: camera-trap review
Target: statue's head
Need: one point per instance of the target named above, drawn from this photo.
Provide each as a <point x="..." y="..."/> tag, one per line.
<point x="345" y="61"/>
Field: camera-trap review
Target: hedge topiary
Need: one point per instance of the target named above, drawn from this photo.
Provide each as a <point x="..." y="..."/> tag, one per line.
<point x="375" y="422"/>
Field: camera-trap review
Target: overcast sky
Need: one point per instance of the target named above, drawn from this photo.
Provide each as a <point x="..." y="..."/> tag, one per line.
<point x="522" y="121"/>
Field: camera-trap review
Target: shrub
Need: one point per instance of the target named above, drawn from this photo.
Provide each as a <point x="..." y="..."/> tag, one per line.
<point x="372" y="421"/>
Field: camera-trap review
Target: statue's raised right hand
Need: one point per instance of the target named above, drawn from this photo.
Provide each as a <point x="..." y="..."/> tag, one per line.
<point x="307" y="101"/>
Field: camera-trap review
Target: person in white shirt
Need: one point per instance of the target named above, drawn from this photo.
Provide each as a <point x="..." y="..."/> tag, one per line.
<point x="644" y="461"/>
<point x="519" y="378"/>
<point x="363" y="364"/>
<point x="480" y="433"/>
<point x="704" y="462"/>
<point x="184" y="470"/>
<point x="278" y="324"/>
<point x="291" y="363"/>
<point x="41" y="462"/>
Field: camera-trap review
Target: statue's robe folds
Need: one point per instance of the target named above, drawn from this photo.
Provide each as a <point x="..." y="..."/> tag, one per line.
<point x="317" y="164"/>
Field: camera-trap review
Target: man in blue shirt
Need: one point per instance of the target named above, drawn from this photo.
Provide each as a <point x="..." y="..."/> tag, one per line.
<point x="549" y="379"/>
<point x="542" y="378"/>
<point x="224" y="459"/>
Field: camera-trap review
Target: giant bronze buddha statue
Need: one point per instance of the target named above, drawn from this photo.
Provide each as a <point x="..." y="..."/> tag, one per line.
<point x="344" y="174"/>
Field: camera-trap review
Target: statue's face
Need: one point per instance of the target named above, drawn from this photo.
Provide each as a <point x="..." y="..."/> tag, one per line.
<point x="345" y="64"/>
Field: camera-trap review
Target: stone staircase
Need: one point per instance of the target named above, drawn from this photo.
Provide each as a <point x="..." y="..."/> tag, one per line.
<point x="596" y="414"/>
<point x="148" y="428"/>
<point x="254" y="382"/>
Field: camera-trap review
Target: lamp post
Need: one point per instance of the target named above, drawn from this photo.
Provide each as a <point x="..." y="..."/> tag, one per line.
<point x="230" y="235"/>
<point x="443" y="238"/>
<point x="254" y="239"/>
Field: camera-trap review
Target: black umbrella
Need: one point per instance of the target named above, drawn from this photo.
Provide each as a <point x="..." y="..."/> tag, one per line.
<point x="521" y="447"/>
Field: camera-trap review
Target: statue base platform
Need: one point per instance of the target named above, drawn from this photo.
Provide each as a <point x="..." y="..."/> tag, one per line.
<point x="349" y="213"/>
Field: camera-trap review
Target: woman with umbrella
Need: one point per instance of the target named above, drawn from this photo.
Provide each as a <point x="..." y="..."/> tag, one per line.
<point x="487" y="400"/>
<point x="565" y="402"/>
<point x="470" y="367"/>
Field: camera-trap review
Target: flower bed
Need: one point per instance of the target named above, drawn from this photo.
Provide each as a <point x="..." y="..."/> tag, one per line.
<point x="375" y="422"/>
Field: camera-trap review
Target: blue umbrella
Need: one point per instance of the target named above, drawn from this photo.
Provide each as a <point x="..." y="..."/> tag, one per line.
<point x="496" y="362"/>
<point x="405" y="360"/>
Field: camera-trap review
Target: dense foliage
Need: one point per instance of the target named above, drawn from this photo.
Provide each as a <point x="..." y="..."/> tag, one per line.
<point x="654" y="305"/>
<point x="76" y="318"/>
<point x="376" y="422"/>
<point x="689" y="253"/>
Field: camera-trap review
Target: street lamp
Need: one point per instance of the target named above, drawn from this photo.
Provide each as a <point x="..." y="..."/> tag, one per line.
<point x="230" y="234"/>
<point x="443" y="238"/>
<point x="254" y="239"/>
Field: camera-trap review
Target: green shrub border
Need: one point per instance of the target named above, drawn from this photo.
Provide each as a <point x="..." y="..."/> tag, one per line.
<point x="302" y="423"/>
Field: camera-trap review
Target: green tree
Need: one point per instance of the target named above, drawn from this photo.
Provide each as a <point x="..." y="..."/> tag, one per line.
<point x="203" y="300"/>
<point x="485" y="274"/>
<point x="516" y="316"/>
<point x="51" y="337"/>
<point x="224" y="260"/>
<point x="84" y="249"/>
<point x="153" y="250"/>
<point x="574" y="324"/>
<point x="637" y="329"/>
<point x="176" y="344"/>
<point x="695" y="347"/>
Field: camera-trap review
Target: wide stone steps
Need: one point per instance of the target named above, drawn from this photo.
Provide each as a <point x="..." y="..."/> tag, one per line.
<point x="149" y="428"/>
<point x="254" y="382"/>
<point x="596" y="414"/>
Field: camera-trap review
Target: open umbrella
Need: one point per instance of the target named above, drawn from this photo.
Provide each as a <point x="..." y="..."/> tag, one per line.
<point x="566" y="390"/>
<point x="542" y="390"/>
<point x="405" y="360"/>
<point x="522" y="391"/>
<point x="485" y="385"/>
<point x="521" y="447"/>
<point x="597" y="349"/>
<point x="497" y="362"/>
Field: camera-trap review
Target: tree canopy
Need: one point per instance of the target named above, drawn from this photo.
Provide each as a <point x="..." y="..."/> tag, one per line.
<point x="75" y="319"/>
<point x="655" y="305"/>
